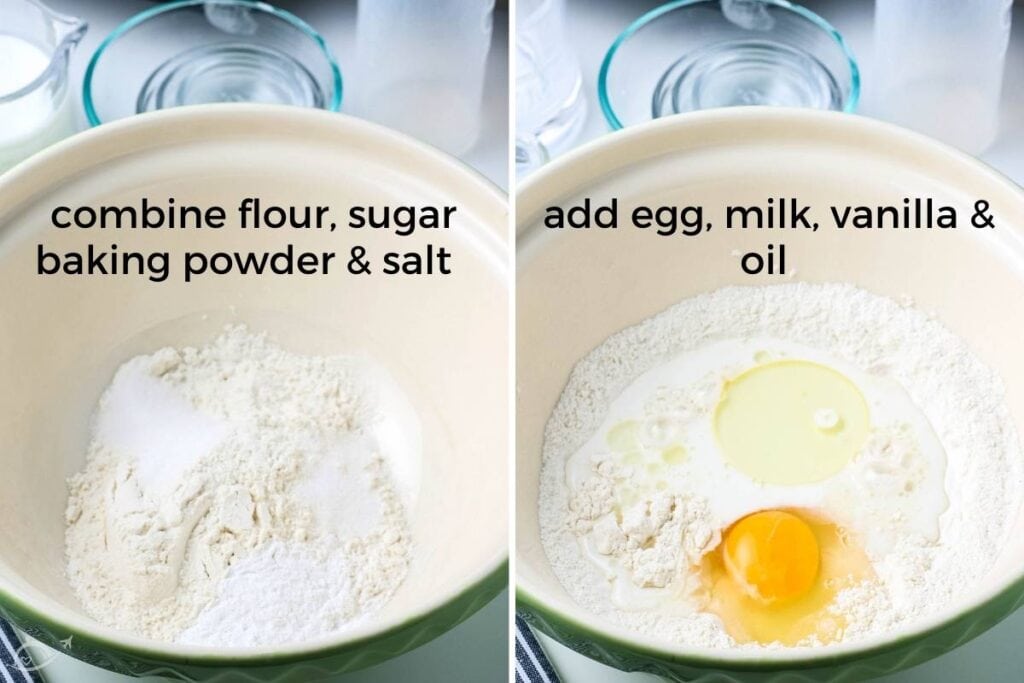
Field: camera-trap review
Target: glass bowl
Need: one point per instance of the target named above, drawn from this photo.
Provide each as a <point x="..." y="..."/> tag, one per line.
<point x="701" y="54"/>
<point x="208" y="51"/>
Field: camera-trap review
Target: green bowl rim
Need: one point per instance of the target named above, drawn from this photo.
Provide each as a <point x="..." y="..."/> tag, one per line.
<point x="533" y="605"/>
<point x="491" y="583"/>
<point x="136" y="20"/>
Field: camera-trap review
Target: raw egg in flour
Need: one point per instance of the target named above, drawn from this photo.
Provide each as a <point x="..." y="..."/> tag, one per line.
<point x="806" y="466"/>
<point x="775" y="575"/>
<point x="765" y="424"/>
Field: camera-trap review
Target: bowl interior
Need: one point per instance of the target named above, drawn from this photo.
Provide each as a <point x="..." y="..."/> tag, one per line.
<point x="443" y="339"/>
<point x="597" y="282"/>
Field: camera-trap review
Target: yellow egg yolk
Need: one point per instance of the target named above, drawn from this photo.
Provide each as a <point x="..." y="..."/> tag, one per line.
<point x="773" y="556"/>
<point x="775" y="576"/>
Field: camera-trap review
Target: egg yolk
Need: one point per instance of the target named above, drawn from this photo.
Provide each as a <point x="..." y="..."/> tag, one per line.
<point x="775" y="576"/>
<point x="773" y="556"/>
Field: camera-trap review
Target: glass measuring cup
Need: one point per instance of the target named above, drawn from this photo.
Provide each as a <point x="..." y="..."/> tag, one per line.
<point x="422" y="67"/>
<point x="941" y="72"/>
<point x="550" y="107"/>
<point x="35" y="111"/>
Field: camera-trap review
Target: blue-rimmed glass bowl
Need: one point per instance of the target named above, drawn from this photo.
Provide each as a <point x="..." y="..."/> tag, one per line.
<point x="701" y="54"/>
<point x="209" y="51"/>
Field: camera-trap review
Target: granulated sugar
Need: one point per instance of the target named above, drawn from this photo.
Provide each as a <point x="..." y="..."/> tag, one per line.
<point x="633" y="564"/>
<point x="208" y="509"/>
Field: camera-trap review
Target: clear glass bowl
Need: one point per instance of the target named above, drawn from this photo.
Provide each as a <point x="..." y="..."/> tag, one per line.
<point x="206" y="51"/>
<point x="700" y="54"/>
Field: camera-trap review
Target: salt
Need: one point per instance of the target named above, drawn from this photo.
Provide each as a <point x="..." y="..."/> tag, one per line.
<point x="339" y="491"/>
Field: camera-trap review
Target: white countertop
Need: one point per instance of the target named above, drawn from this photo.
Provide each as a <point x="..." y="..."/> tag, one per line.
<point x="996" y="656"/>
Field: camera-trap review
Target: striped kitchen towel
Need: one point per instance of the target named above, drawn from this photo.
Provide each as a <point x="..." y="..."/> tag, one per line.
<point x="15" y="664"/>
<point x="532" y="665"/>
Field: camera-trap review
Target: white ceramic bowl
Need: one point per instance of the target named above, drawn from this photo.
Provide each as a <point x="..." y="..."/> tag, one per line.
<point x="575" y="288"/>
<point x="443" y="338"/>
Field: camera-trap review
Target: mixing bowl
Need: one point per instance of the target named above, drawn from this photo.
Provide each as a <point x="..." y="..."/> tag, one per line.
<point x="577" y="287"/>
<point x="444" y="339"/>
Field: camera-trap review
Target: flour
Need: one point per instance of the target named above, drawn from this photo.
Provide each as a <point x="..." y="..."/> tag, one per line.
<point x="205" y="513"/>
<point x="608" y="553"/>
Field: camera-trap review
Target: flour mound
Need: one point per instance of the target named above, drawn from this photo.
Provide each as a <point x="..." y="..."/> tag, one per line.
<point x="196" y="517"/>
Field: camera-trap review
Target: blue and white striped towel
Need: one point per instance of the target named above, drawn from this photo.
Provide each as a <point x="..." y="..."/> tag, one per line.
<point x="15" y="664"/>
<point x="532" y="665"/>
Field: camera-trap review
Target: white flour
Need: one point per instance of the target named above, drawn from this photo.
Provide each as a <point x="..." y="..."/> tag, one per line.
<point x="240" y="495"/>
<point x="656" y="540"/>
